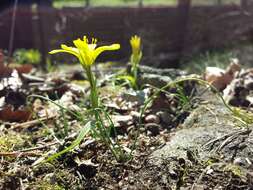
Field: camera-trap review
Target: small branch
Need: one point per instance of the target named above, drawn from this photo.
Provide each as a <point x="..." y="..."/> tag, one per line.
<point x="31" y="123"/>
<point x="19" y="154"/>
<point x="28" y="151"/>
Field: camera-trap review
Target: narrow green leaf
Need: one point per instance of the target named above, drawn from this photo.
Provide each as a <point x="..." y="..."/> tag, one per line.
<point x="128" y="78"/>
<point x="84" y="131"/>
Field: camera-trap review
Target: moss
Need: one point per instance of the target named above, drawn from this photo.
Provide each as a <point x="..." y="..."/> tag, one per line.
<point x="45" y="185"/>
<point x="243" y="116"/>
<point x="236" y="170"/>
<point x="11" y="141"/>
<point x="43" y="168"/>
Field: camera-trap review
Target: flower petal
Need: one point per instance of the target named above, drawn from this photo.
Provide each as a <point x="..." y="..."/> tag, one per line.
<point x="92" y="46"/>
<point x="63" y="51"/>
<point x="83" y="51"/>
<point x="66" y="49"/>
<point x="81" y="45"/>
<point x="135" y="42"/>
<point x="101" y="49"/>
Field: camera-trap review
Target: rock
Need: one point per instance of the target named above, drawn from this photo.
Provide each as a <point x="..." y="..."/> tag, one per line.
<point x="197" y="152"/>
<point x="172" y="73"/>
<point x="165" y="117"/>
<point x="242" y="162"/>
<point x="169" y="72"/>
<point x="173" y="174"/>
<point x="214" y="74"/>
<point x="135" y="96"/>
<point x="156" y="77"/>
<point x="153" y="128"/>
<point x="155" y="80"/>
<point x="87" y="170"/>
<point x="136" y="116"/>
<point x="152" y="119"/>
<point x="205" y="131"/>
<point x="239" y="91"/>
<point x="122" y="120"/>
<point x="248" y="78"/>
<point x="248" y="82"/>
<point x="87" y="143"/>
<point x="220" y="78"/>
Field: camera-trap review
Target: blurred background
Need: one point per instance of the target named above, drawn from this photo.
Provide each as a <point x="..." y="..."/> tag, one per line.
<point x="174" y="32"/>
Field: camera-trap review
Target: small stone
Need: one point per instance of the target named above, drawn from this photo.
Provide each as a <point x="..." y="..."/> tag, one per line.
<point x="239" y="161"/>
<point x="209" y="171"/>
<point x="87" y="143"/>
<point x="248" y="82"/>
<point x="87" y="170"/>
<point x="153" y="128"/>
<point x="142" y="129"/>
<point x="135" y="115"/>
<point x="173" y="174"/>
<point x="165" y="117"/>
<point x="152" y="119"/>
<point x="122" y="120"/>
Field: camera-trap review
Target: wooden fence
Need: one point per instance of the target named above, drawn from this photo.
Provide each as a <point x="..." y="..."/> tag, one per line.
<point x="169" y="33"/>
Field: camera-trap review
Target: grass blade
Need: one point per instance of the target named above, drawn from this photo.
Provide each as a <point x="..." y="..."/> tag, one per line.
<point x="84" y="131"/>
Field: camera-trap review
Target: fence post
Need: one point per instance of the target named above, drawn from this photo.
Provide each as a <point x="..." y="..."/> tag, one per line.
<point x="140" y="3"/>
<point x="40" y="42"/>
<point x="87" y="3"/>
<point x="244" y="4"/>
<point x="219" y="2"/>
<point x="183" y="9"/>
<point x="184" y="3"/>
<point x="48" y="3"/>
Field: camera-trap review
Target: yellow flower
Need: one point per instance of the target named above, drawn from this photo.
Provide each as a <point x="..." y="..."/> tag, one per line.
<point x="135" y="42"/>
<point x="86" y="52"/>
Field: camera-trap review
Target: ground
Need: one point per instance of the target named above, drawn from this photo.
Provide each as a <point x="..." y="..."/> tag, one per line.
<point x="186" y="138"/>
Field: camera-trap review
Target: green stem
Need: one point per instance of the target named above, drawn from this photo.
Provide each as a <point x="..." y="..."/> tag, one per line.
<point x="93" y="86"/>
<point x="105" y="136"/>
<point x="134" y="71"/>
<point x="95" y="105"/>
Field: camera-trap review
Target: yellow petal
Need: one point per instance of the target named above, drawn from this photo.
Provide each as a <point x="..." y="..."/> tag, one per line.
<point x="81" y="45"/>
<point x="66" y="49"/>
<point x="92" y="46"/>
<point x="135" y="42"/>
<point x="101" y="49"/>
<point x="56" y="51"/>
<point x="71" y="50"/>
<point x="63" y="51"/>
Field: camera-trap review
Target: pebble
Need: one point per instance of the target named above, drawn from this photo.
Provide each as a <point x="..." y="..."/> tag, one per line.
<point x="153" y="128"/>
<point x="242" y="162"/>
<point x="152" y="119"/>
<point x="248" y="83"/>
<point x="239" y="91"/>
<point x="89" y="142"/>
<point x="209" y="171"/>
<point x="165" y="117"/>
<point x="135" y="115"/>
<point x="173" y="174"/>
<point x="87" y="170"/>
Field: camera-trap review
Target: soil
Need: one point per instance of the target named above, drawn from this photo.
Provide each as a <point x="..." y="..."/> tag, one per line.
<point x="193" y="144"/>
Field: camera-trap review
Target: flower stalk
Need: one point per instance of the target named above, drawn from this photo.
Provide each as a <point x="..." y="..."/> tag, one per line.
<point x="87" y="53"/>
<point x="135" y="58"/>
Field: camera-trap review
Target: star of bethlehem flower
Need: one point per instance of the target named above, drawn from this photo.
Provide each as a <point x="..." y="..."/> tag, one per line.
<point x="86" y="52"/>
<point x="135" y="43"/>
